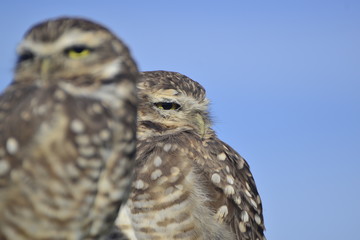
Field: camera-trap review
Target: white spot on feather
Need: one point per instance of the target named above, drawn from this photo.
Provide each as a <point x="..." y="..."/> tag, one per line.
<point x="77" y="126"/>
<point x="169" y="190"/>
<point x="229" y="190"/>
<point x="82" y="140"/>
<point x="12" y="145"/>
<point x="252" y="201"/>
<point x="104" y="134"/>
<point x="242" y="227"/>
<point x="215" y="178"/>
<point x="221" y="213"/>
<point x="139" y="184"/>
<point x="258" y="200"/>
<point x="162" y="180"/>
<point x="174" y="170"/>
<point x="257" y="219"/>
<point x="248" y="193"/>
<point x="167" y="147"/>
<point x="26" y="116"/>
<point x="221" y="156"/>
<point x="244" y="216"/>
<point x="59" y="95"/>
<point x="230" y="179"/>
<point x="97" y="108"/>
<point x="238" y="200"/>
<point x="87" y="151"/>
<point x="156" y="174"/>
<point x="241" y="163"/>
<point x="157" y="161"/>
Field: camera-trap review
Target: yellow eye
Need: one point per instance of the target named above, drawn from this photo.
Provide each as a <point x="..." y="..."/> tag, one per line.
<point x="77" y="52"/>
<point x="167" y="105"/>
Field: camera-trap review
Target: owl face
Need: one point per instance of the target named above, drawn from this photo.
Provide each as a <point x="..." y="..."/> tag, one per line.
<point x="71" y="50"/>
<point x="172" y="102"/>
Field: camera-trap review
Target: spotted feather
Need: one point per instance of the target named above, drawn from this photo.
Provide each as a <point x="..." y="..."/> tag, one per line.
<point x="188" y="183"/>
<point x="67" y="133"/>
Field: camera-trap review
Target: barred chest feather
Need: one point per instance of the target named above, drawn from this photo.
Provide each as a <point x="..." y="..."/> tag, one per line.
<point x="169" y="200"/>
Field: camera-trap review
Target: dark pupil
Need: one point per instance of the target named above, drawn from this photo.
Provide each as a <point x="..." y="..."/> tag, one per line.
<point x="78" y="49"/>
<point x="167" y="106"/>
<point x="26" y="56"/>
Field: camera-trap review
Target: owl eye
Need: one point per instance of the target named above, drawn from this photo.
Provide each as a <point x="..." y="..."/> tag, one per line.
<point x="167" y="105"/>
<point x="76" y="52"/>
<point x="25" y="56"/>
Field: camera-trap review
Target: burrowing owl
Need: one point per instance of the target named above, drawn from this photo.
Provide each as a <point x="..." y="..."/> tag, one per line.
<point x="67" y="133"/>
<point x="189" y="184"/>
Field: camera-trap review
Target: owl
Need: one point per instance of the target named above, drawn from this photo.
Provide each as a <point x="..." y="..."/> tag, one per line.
<point x="188" y="183"/>
<point x="67" y="133"/>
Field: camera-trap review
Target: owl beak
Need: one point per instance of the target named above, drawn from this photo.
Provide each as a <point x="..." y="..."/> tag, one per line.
<point x="201" y="124"/>
<point x="44" y="69"/>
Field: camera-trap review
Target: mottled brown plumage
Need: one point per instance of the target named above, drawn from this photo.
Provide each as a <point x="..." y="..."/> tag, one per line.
<point x="67" y="133"/>
<point x="189" y="184"/>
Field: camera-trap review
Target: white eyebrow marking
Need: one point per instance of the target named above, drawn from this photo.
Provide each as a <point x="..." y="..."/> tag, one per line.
<point x="70" y="38"/>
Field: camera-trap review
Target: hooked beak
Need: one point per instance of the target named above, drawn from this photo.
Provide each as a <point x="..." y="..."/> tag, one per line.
<point x="44" y="69"/>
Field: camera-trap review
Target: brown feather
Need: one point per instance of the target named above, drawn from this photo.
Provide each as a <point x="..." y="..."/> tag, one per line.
<point x="188" y="183"/>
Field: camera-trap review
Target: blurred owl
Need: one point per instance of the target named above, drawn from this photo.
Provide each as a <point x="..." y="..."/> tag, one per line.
<point x="67" y="133"/>
<point x="189" y="184"/>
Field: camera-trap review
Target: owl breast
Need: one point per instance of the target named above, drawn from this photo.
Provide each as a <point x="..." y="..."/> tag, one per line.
<point x="169" y="200"/>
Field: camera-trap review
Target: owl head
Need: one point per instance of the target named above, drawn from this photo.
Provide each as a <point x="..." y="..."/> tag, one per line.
<point x="170" y="101"/>
<point x="74" y="50"/>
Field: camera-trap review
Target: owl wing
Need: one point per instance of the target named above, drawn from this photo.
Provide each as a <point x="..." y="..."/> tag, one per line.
<point x="236" y="199"/>
<point x="15" y="128"/>
<point x="62" y="158"/>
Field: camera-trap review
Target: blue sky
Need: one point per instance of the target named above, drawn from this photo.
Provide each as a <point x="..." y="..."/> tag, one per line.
<point x="283" y="78"/>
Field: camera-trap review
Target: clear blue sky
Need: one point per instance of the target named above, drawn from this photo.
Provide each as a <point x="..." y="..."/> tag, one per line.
<point x="283" y="78"/>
